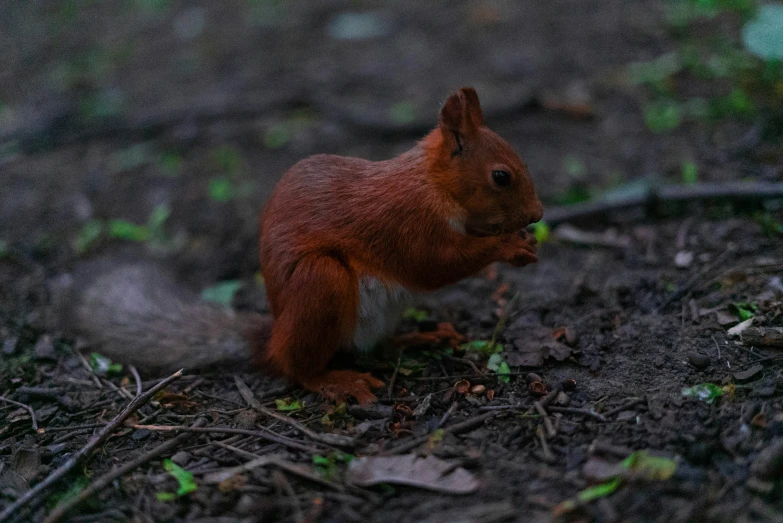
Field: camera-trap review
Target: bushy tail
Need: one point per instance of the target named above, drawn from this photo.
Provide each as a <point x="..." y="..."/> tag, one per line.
<point x="135" y="313"/>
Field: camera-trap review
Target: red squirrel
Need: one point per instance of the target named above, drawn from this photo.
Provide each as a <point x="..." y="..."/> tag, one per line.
<point x="344" y="243"/>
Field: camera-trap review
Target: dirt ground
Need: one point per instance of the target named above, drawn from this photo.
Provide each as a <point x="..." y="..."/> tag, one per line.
<point x="112" y="110"/>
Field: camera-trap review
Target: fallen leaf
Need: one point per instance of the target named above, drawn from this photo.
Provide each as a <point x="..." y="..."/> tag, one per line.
<point x="736" y="331"/>
<point x="429" y="473"/>
<point x="706" y="392"/>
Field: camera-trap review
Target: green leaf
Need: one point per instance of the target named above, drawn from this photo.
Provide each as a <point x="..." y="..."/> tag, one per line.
<point x="743" y="310"/>
<point x="87" y="235"/>
<point x="415" y="314"/>
<point x="184" y="478"/>
<point x="103" y="366"/>
<point x="499" y="367"/>
<point x="221" y="189"/>
<point x="706" y="392"/>
<point x="125" y="230"/>
<point x="690" y="173"/>
<point x="653" y="468"/>
<point x="599" y="491"/>
<point x="662" y="116"/>
<point x="655" y="71"/>
<point x="541" y="231"/>
<point x="763" y="36"/>
<point x="484" y="346"/>
<point x="222" y="293"/>
<point x="286" y="405"/>
<point x="157" y="219"/>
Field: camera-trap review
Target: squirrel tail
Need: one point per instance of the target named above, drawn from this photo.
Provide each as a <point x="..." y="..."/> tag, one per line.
<point x="135" y="313"/>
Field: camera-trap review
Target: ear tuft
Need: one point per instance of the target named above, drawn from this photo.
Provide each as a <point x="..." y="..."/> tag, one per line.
<point x="462" y="112"/>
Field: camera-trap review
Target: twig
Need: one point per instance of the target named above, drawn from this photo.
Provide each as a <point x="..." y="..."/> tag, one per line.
<point x="85" y="451"/>
<point x="686" y="288"/>
<point x="326" y="439"/>
<point x="268" y="435"/>
<point x="717" y="346"/>
<point x="548" y="456"/>
<point x="283" y="483"/>
<point x="665" y="194"/>
<point x="394" y="376"/>
<point x="550" y="429"/>
<point x="465" y="361"/>
<point x="454" y="429"/>
<point x="627" y="405"/>
<point x="137" y="378"/>
<point x="106" y="479"/>
<point x="448" y="414"/>
<point x="500" y="326"/>
<point x="28" y="408"/>
<point x="584" y="412"/>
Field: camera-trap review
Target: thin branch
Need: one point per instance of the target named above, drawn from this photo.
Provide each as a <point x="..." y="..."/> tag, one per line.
<point x="266" y="435"/>
<point x="326" y="439"/>
<point x="457" y="428"/>
<point x="137" y="378"/>
<point x="106" y="479"/>
<point x="665" y="194"/>
<point x="28" y="408"/>
<point x="85" y="451"/>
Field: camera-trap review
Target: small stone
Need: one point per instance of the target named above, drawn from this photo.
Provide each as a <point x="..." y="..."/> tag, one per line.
<point x="44" y="348"/>
<point x="759" y="486"/>
<point x="562" y="399"/>
<point x="141" y="434"/>
<point x="698" y="360"/>
<point x="532" y="376"/>
<point x="683" y="259"/>
<point x="9" y="346"/>
<point x="726" y="319"/>
<point x="181" y="458"/>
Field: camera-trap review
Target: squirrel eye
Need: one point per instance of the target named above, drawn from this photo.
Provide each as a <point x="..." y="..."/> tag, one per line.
<point x="501" y="178"/>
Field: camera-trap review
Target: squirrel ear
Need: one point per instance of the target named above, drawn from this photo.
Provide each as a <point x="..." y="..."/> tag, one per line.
<point x="462" y="112"/>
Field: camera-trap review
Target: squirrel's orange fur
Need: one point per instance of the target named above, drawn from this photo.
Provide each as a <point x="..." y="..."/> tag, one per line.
<point x="422" y="220"/>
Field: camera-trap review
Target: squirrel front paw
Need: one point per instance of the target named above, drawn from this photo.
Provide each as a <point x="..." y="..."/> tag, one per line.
<point x="519" y="249"/>
<point x="337" y="385"/>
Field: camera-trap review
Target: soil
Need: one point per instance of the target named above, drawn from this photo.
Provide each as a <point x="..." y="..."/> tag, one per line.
<point x="110" y="110"/>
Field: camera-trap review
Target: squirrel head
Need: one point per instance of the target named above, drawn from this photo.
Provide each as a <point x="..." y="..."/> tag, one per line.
<point x="480" y="170"/>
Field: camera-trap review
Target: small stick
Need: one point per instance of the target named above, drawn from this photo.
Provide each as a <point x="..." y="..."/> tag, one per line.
<point x="268" y="436"/>
<point x="548" y="456"/>
<point x="686" y="288"/>
<point x="137" y="378"/>
<point x="454" y="429"/>
<point x="283" y="483"/>
<point x="394" y="376"/>
<point x="630" y="403"/>
<point x="584" y="412"/>
<point x="327" y="439"/>
<point x="448" y="414"/>
<point x="28" y="408"/>
<point x="717" y="346"/>
<point x="106" y="479"/>
<point x="550" y="429"/>
<point x="85" y="451"/>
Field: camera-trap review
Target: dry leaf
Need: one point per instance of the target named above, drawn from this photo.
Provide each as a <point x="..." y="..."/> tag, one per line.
<point x="429" y="473"/>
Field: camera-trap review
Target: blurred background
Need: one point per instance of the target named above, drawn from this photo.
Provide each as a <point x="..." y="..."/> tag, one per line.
<point x="164" y="125"/>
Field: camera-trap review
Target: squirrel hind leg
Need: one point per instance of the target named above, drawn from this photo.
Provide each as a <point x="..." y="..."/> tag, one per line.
<point x="319" y="316"/>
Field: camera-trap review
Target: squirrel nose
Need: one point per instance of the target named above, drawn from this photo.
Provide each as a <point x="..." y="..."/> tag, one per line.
<point x="537" y="212"/>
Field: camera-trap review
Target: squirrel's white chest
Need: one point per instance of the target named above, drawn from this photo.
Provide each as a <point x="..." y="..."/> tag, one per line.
<point x="380" y="310"/>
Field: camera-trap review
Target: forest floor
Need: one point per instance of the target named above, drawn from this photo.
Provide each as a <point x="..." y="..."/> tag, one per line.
<point x="160" y="132"/>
